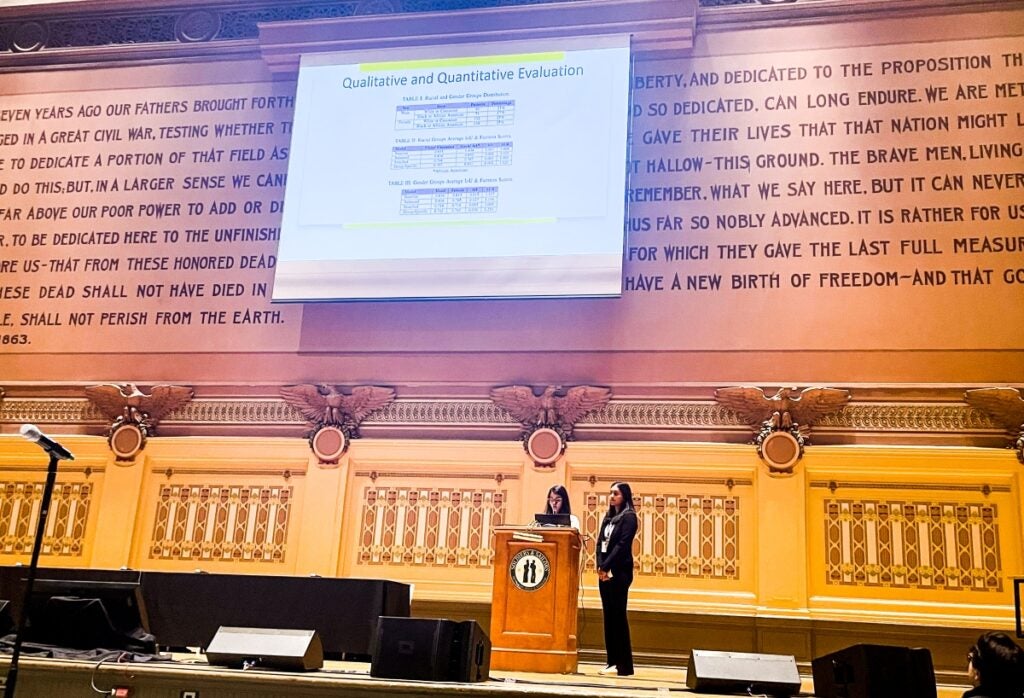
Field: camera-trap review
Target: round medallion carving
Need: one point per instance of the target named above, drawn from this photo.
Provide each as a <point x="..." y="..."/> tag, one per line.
<point x="200" y="25"/>
<point x="126" y="441"/>
<point x="545" y="445"/>
<point x="29" y="36"/>
<point x="329" y="444"/>
<point x="781" y="450"/>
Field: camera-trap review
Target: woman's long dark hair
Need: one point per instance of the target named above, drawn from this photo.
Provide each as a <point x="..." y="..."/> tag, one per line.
<point x="999" y="662"/>
<point x="627" y="499"/>
<point x="560" y="491"/>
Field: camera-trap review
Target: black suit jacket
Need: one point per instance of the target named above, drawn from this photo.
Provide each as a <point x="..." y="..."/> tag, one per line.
<point x="620" y="545"/>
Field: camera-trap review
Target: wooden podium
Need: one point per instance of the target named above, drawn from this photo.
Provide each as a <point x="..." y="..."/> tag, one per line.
<point x="536" y="591"/>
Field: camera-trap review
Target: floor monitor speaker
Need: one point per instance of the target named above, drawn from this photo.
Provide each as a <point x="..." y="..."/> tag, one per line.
<point x="292" y="650"/>
<point x="875" y="671"/>
<point x="430" y="649"/>
<point x="742" y="672"/>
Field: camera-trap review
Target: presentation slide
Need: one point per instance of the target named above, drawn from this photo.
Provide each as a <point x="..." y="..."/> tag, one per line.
<point x="484" y="170"/>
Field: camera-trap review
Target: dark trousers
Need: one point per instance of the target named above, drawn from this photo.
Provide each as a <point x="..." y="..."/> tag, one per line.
<point x="614" y="594"/>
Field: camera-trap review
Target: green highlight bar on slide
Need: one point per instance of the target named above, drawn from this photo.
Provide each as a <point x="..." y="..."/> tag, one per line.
<point x="422" y="224"/>
<point x="465" y="61"/>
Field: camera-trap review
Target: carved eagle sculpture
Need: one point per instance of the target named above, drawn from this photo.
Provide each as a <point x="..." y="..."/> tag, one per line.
<point x="124" y="403"/>
<point x="327" y="405"/>
<point x="548" y="408"/>
<point x="1005" y="405"/>
<point x="785" y="407"/>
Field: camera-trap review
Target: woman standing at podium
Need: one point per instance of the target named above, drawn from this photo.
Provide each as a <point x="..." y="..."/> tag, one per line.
<point x="558" y="503"/>
<point x="615" y="574"/>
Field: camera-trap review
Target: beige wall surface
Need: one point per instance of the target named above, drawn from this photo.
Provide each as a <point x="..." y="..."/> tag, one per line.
<point x="803" y="205"/>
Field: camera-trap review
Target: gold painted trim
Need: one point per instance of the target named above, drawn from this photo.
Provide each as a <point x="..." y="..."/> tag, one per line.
<point x="725" y="482"/>
<point x="171" y="471"/>
<point x="64" y="469"/>
<point x="377" y="474"/>
<point x="908" y="486"/>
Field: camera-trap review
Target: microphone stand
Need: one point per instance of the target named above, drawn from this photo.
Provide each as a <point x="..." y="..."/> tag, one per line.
<point x="26" y="595"/>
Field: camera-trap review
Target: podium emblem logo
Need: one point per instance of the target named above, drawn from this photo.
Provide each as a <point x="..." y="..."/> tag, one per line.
<point x="530" y="569"/>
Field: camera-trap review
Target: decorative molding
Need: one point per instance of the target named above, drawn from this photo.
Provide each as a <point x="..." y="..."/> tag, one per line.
<point x="668" y="480"/>
<point x="834" y="485"/>
<point x="229" y="411"/>
<point x="428" y="526"/>
<point x="65" y="469"/>
<point x="69" y="514"/>
<point x="908" y="417"/>
<point x="221" y="523"/>
<point x="374" y="475"/>
<point x="44" y="35"/>
<point x="49" y="410"/>
<point x="664" y="413"/>
<point x="227" y="470"/>
<point x="430" y="412"/>
<point x="657" y="28"/>
<point x="197" y="26"/>
<point x="729" y="15"/>
<point x="38" y="28"/>
<point x="624" y="415"/>
<point x="949" y="546"/>
<point x="681" y="535"/>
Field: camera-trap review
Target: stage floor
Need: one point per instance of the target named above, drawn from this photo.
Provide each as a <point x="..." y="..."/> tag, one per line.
<point x="191" y="677"/>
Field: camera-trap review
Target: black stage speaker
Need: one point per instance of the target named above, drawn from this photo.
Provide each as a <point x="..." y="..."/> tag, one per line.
<point x="430" y="649"/>
<point x="875" y="671"/>
<point x="742" y="672"/>
<point x="293" y="650"/>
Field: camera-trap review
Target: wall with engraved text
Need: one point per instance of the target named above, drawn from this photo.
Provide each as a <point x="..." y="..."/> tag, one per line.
<point x="789" y="192"/>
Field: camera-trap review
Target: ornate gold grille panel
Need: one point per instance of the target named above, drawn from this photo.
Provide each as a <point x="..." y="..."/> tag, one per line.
<point x="693" y="536"/>
<point x="924" y="545"/>
<point x="221" y="523"/>
<point x="429" y="526"/>
<point x="20" y="503"/>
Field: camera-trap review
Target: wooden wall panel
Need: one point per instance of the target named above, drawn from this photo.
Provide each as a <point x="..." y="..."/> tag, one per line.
<point x="913" y="532"/>
<point x="425" y="513"/>
<point x="873" y="534"/>
<point x="232" y="506"/>
<point x="75" y="508"/>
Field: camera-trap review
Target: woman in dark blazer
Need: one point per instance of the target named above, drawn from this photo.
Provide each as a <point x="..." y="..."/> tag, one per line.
<point x="615" y="574"/>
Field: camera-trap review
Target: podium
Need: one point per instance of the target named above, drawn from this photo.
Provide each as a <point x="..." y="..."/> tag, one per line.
<point x="535" y="597"/>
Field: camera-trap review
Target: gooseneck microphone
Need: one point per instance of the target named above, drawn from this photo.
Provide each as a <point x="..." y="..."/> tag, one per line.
<point x="57" y="452"/>
<point x="32" y="433"/>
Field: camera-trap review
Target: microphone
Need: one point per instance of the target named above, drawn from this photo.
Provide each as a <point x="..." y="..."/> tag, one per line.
<point x="32" y="433"/>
